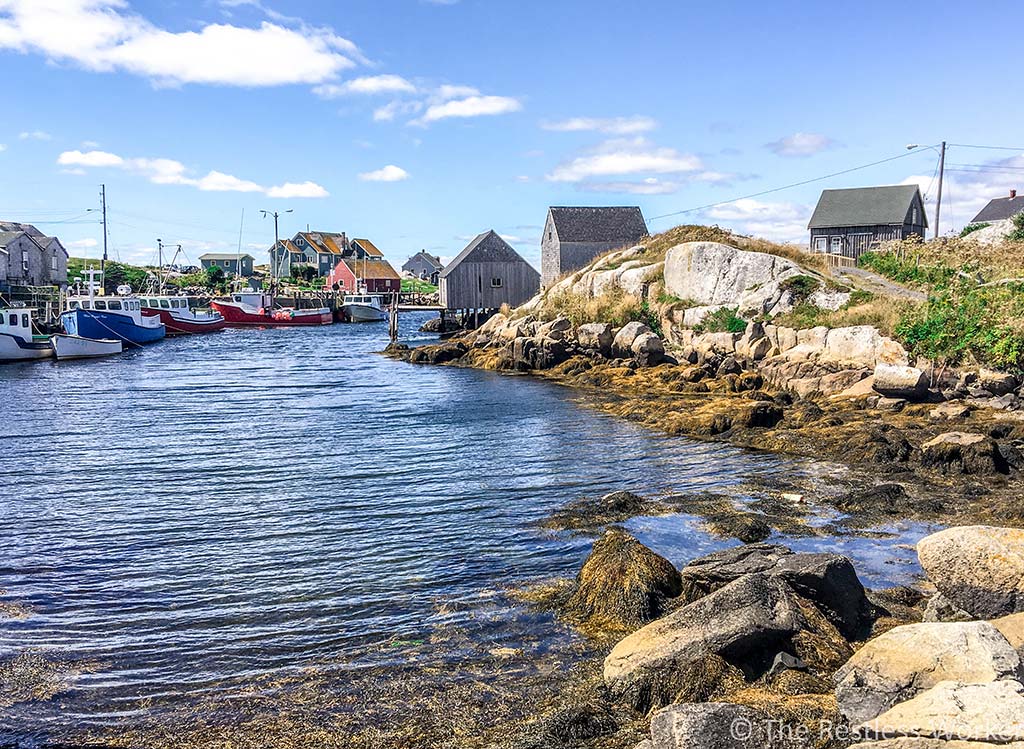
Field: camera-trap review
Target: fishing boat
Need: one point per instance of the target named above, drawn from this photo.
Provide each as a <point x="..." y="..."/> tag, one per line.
<point x="252" y="309"/>
<point x="362" y="308"/>
<point x="76" y="347"/>
<point x="17" y="343"/>
<point x="178" y="317"/>
<point x="110" y="317"/>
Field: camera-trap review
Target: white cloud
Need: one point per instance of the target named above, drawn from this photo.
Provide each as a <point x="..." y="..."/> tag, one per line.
<point x="32" y="134"/>
<point x="389" y="111"/>
<point x="298" y="190"/>
<point x="611" y="126"/>
<point x="801" y="144"/>
<point x="106" y="36"/>
<point x="623" y="157"/>
<point x="389" y="173"/>
<point x="649" y="186"/>
<point x="471" y="106"/>
<point x="3" y="147"/>
<point x="782" y="221"/>
<point x="90" y="144"/>
<point x="81" y="244"/>
<point x="161" y="171"/>
<point x="369" y="85"/>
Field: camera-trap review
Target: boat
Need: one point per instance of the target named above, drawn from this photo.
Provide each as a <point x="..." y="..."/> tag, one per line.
<point x="17" y="343"/>
<point x="178" y="317"/>
<point x="362" y="308"/>
<point x="76" y="347"/>
<point x="103" y="317"/>
<point x="255" y="309"/>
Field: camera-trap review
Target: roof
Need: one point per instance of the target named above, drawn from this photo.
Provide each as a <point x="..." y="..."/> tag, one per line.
<point x="331" y="243"/>
<point x="485" y="248"/>
<point x="865" y="206"/>
<point x="623" y="224"/>
<point x="369" y="247"/>
<point x="14" y="226"/>
<point x="289" y="246"/>
<point x="371" y="268"/>
<point x="6" y="237"/>
<point x="999" y="209"/>
<point x="224" y="256"/>
<point x="433" y="260"/>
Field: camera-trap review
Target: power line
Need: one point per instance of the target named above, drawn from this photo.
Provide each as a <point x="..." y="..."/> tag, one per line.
<point x="784" y="187"/>
<point x="992" y="148"/>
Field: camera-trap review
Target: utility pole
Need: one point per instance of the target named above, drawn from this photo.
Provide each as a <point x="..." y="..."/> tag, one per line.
<point x="938" y="202"/>
<point x="103" y="262"/>
<point x="277" y="242"/>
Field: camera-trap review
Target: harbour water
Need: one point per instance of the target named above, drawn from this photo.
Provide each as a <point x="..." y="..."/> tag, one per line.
<point x="210" y="511"/>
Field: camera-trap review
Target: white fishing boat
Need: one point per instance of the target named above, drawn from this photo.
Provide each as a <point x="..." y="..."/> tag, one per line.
<point x="17" y="343"/>
<point x="363" y="308"/>
<point x="77" y="347"/>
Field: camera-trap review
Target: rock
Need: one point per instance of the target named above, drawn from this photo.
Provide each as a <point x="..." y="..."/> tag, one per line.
<point x="596" y="335"/>
<point x="860" y="345"/>
<point x="622" y="344"/>
<point x="492" y="325"/>
<point x="713" y="725"/>
<point x="523" y="353"/>
<point x="949" y="411"/>
<point x="907" y="660"/>
<point x="952" y="710"/>
<point x="648" y="350"/>
<point x="895" y="381"/>
<point x="570" y="726"/>
<point x="729" y="365"/>
<point x="694" y="316"/>
<point x="1012" y="628"/>
<point x="890" y="404"/>
<point x="549" y="352"/>
<point x="978" y="568"/>
<point x="748" y="527"/>
<point x="1008" y="402"/>
<point x="941" y="609"/>
<point x="859" y="389"/>
<point x="558" y="325"/>
<point x="746" y="623"/>
<point x="997" y="383"/>
<point x="762" y="414"/>
<point x="827" y="580"/>
<point x="623" y="584"/>
<point x="963" y="452"/>
<point x="710" y="273"/>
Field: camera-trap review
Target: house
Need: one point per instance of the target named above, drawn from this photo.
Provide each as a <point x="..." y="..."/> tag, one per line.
<point x="362" y="265"/>
<point x="35" y="259"/>
<point x="848" y="222"/>
<point x="1000" y="209"/>
<point x="424" y="266"/>
<point x="319" y="249"/>
<point x="487" y="274"/>
<point x="230" y="262"/>
<point x="575" y="235"/>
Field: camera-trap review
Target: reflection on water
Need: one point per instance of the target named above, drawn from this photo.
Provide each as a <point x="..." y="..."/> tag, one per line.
<point x="219" y="509"/>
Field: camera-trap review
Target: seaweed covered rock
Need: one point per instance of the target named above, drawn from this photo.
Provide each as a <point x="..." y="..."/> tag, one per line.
<point x="622" y="585"/>
<point x="908" y="660"/>
<point x="714" y="725"/>
<point x="591" y="513"/>
<point x="569" y="726"/>
<point x="595" y="335"/>
<point x="963" y="452"/>
<point x="978" y="568"/>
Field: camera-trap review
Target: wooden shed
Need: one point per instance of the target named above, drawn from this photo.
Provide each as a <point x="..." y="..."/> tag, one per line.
<point x="846" y="223"/>
<point x="486" y="275"/>
<point x="575" y="235"/>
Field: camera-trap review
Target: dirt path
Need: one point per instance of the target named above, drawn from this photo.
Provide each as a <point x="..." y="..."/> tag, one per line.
<point x="876" y="284"/>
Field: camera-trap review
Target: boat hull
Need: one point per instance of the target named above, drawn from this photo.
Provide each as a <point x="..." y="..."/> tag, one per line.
<point x="237" y="317"/>
<point x="76" y="347"/>
<point x="100" y="325"/>
<point x="14" y="349"/>
<point x="363" y="313"/>
<point x="179" y="326"/>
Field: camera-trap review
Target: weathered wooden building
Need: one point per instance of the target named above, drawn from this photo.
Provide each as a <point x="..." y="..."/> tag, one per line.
<point x="487" y="274"/>
<point x="424" y="266"/>
<point x="847" y="223"/>
<point x="575" y="235"/>
<point x="1000" y="209"/>
<point x="232" y="263"/>
<point x="30" y="258"/>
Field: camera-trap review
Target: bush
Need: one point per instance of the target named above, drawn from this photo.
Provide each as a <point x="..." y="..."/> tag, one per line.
<point x="902" y="268"/>
<point x="1017" y="235"/>
<point x="722" y="320"/>
<point x="801" y="287"/>
<point x="971" y="228"/>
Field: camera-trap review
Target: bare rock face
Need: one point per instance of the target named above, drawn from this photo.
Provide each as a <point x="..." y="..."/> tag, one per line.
<point x="622" y="344"/>
<point x="713" y="725"/>
<point x="595" y="335"/>
<point x="963" y="452"/>
<point x="956" y="711"/>
<point x="907" y="660"/>
<point x="980" y="569"/>
<point x="997" y="383"/>
<point x="711" y="273"/>
<point x="648" y="350"/>
<point x="896" y="381"/>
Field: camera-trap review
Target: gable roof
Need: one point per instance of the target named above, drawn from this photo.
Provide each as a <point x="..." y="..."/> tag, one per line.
<point x="623" y="224"/>
<point x="486" y="248"/>
<point x="8" y="237"/>
<point x="433" y="260"/>
<point x="369" y="247"/>
<point x="14" y="226"/>
<point x="371" y="268"/>
<point x="865" y="206"/>
<point x="224" y="256"/>
<point x="999" y="209"/>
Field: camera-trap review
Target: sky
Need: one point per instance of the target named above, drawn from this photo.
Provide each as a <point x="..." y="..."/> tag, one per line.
<point x="421" y="123"/>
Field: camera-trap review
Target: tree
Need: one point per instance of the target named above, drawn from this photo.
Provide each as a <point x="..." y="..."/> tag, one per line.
<point x="215" y="277"/>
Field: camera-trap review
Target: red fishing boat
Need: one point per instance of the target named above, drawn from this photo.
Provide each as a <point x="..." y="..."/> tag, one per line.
<point x="179" y="317"/>
<point x="252" y="309"/>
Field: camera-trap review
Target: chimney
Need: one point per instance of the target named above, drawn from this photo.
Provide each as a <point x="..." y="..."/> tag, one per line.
<point x="1013" y="194"/>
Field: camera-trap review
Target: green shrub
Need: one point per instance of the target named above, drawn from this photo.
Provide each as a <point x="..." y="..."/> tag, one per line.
<point x="801" y="287"/>
<point x="722" y="320"/>
<point x="904" y="269"/>
<point x="971" y="228"/>
<point x="1017" y="235"/>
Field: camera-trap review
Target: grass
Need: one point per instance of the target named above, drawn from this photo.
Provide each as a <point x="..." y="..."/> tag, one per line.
<point x="971" y="228"/>
<point x="613" y="306"/>
<point x="722" y="320"/>
<point x="417" y="286"/>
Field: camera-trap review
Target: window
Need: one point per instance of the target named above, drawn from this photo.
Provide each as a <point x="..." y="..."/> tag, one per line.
<point x="100" y="305"/>
<point x="24" y="260"/>
<point x="86" y="305"/>
<point x="165" y="304"/>
<point x="114" y="304"/>
<point x="915" y="215"/>
<point x="13" y="322"/>
<point x="73" y="305"/>
<point x="837" y="245"/>
<point x="24" y="321"/>
<point x="821" y="244"/>
<point x="495" y="283"/>
<point x="53" y="262"/>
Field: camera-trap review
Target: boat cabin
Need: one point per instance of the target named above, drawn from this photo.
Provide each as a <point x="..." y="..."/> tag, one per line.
<point x="165" y="302"/>
<point x="105" y="304"/>
<point x="17" y="323"/>
<point x="257" y="299"/>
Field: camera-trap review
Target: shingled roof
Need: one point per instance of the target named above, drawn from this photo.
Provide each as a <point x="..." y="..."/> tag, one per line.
<point x="864" y="206"/>
<point x="1000" y="209"/>
<point x="623" y="224"/>
<point x="485" y="248"/>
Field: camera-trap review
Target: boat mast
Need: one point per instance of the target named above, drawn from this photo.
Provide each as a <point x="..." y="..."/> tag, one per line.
<point x="160" y="266"/>
<point x="103" y="262"/>
<point x="238" y="255"/>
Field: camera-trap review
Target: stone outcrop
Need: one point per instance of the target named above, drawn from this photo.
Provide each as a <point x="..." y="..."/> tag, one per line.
<point x="963" y="452"/>
<point x="907" y="660"/>
<point x="980" y="569"/>
<point x="713" y="725"/>
<point x="622" y="344"/>
<point x="896" y="381"/>
<point x="597" y="336"/>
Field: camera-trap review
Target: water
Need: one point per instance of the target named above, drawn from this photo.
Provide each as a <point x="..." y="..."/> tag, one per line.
<point x="213" y="509"/>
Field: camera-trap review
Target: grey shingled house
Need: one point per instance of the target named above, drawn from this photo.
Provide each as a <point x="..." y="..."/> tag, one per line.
<point x="1000" y="209"/>
<point x="848" y="222"/>
<point x="575" y="235"/>
<point x="486" y="275"/>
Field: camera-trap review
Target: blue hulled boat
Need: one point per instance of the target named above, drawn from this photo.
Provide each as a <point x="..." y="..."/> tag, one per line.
<point x="117" y="318"/>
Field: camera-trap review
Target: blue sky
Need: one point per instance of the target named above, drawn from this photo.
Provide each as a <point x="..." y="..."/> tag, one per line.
<point x="419" y="124"/>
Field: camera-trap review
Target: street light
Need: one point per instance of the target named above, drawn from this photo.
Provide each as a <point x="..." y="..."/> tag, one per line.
<point x="942" y="171"/>
<point x="277" y="241"/>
